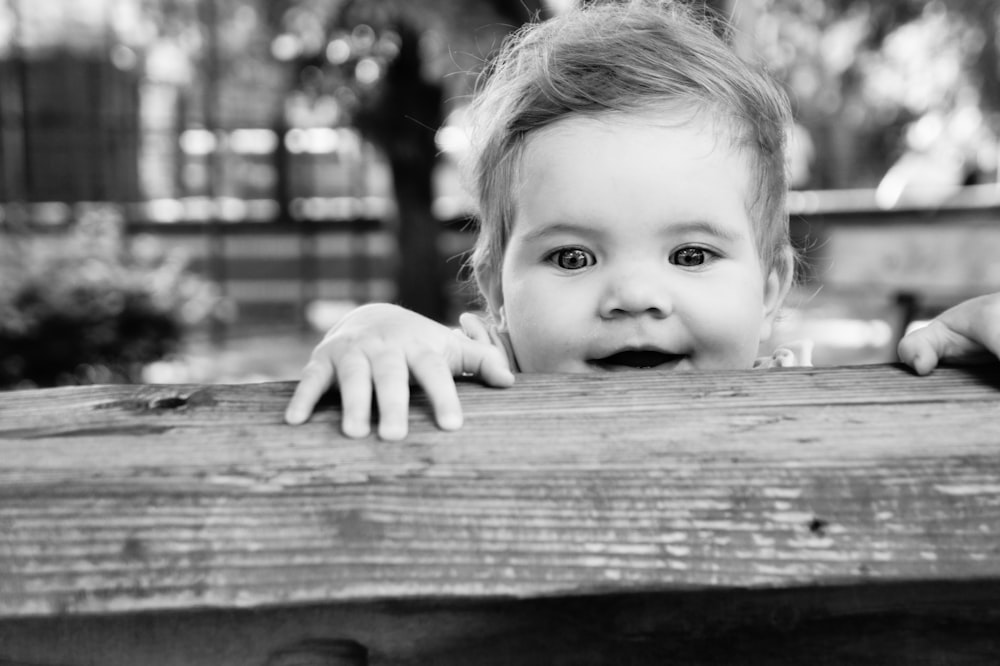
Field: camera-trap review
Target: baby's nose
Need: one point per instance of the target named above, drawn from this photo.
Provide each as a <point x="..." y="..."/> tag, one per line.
<point x="636" y="291"/>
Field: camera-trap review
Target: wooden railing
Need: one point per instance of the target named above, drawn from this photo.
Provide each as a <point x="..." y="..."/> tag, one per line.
<point x="933" y="256"/>
<point x="841" y="515"/>
<point x="923" y="258"/>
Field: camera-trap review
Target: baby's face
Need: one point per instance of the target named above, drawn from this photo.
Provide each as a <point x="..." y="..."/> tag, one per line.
<point x="632" y="247"/>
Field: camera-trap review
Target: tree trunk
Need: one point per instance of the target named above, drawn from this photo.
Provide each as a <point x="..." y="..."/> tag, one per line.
<point x="420" y="276"/>
<point x="411" y="114"/>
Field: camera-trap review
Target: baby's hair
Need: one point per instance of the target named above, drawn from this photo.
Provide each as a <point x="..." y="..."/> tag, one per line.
<point x="623" y="57"/>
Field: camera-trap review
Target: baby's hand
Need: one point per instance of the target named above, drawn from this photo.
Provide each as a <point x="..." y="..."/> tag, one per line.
<point x="967" y="332"/>
<point x="382" y="347"/>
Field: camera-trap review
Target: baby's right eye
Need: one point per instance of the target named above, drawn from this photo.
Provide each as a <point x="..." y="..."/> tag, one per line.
<point x="572" y="258"/>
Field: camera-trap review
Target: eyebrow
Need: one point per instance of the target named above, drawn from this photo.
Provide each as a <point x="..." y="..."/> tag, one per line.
<point x="705" y="227"/>
<point x="561" y="228"/>
<point x="708" y="228"/>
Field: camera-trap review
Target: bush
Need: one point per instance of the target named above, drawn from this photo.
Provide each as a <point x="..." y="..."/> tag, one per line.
<point x="91" y="305"/>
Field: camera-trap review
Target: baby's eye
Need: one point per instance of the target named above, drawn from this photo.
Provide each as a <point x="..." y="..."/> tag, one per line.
<point x="691" y="256"/>
<point x="572" y="258"/>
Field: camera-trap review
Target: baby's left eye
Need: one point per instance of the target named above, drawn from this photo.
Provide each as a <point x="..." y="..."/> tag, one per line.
<point x="691" y="256"/>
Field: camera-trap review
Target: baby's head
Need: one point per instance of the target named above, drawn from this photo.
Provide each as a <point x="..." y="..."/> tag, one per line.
<point x="642" y="68"/>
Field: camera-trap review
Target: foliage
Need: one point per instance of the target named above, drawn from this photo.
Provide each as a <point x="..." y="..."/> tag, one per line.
<point x="874" y="80"/>
<point x="347" y="54"/>
<point x="87" y="306"/>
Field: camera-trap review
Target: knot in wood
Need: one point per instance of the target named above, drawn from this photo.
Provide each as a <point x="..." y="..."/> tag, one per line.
<point x="168" y="402"/>
<point x="818" y="526"/>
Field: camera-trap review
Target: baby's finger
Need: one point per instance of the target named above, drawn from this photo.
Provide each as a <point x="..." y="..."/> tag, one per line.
<point x="354" y="375"/>
<point x="432" y="373"/>
<point x="474" y="328"/>
<point x="486" y="362"/>
<point x="317" y="377"/>
<point x="986" y="328"/>
<point x="918" y="349"/>
<point x="391" y="379"/>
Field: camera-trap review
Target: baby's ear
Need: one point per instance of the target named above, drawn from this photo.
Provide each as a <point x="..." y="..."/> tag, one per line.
<point x="777" y="284"/>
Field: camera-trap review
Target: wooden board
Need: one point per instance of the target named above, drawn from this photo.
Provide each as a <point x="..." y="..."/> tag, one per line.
<point x="118" y="499"/>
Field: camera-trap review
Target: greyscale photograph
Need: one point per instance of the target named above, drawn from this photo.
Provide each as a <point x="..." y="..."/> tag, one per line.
<point x="499" y="332"/>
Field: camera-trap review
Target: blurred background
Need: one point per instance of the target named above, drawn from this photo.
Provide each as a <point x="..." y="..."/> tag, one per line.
<point x="193" y="190"/>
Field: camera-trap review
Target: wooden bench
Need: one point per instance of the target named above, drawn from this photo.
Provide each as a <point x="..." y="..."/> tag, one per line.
<point x="820" y="516"/>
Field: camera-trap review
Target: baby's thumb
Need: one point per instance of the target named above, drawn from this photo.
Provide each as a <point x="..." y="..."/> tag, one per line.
<point x="923" y="348"/>
<point x="486" y="362"/>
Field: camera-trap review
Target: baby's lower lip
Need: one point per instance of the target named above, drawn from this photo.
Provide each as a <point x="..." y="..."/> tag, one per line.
<point x="637" y="360"/>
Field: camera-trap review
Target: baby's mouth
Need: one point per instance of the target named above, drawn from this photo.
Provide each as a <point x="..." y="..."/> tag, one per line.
<point x="636" y="359"/>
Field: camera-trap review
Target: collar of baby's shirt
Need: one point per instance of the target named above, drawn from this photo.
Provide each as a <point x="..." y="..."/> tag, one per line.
<point x="792" y="354"/>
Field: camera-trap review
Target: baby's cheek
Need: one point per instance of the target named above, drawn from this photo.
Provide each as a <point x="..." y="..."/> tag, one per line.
<point x="529" y="345"/>
<point x="542" y="334"/>
<point x="730" y="343"/>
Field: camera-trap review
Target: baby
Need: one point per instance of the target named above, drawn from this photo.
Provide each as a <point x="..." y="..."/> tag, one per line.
<point x="630" y="176"/>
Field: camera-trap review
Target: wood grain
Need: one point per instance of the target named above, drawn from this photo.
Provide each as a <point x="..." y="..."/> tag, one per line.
<point x="125" y="498"/>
